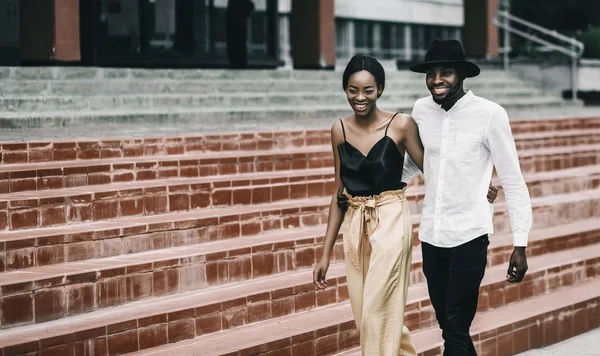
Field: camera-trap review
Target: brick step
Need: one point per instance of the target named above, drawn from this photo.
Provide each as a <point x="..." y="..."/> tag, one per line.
<point x="219" y="263"/>
<point x="528" y="325"/>
<point x="202" y="313"/>
<point x="110" y="148"/>
<point x="136" y="101"/>
<point x="560" y="181"/>
<point x="88" y="149"/>
<point x="68" y="243"/>
<point x="143" y="233"/>
<point x="557" y="124"/>
<point x="534" y="140"/>
<point x="54" y="175"/>
<point x="330" y="329"/>
<point x="31" y="209"/>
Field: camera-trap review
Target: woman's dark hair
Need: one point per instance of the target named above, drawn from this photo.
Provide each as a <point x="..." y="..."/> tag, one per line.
<point x="364" y="62"/>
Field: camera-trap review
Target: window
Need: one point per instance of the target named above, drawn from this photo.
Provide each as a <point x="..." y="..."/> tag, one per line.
<point x="363" y="35"/>
<point x="392" y="40"/>
<point x="342" y="38"/>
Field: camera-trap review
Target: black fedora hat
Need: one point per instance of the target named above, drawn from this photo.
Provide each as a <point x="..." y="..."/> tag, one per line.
<point x="446" y="52"/>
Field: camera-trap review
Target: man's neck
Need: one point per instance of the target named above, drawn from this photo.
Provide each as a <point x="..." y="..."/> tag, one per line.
<point x="449" y="103"/>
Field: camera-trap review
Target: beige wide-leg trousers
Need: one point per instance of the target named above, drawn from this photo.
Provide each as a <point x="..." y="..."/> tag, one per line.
<point x="378" y="248"/>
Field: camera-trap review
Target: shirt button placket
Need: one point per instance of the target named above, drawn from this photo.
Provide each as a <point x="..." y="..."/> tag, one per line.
<point x="441" y="179"/>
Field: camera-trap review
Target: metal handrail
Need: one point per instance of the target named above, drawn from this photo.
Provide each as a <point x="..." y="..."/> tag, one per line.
<point x="574" y="49"/>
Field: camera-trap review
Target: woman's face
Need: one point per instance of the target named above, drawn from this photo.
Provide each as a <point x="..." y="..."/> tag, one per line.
<point x="362" y="93"/>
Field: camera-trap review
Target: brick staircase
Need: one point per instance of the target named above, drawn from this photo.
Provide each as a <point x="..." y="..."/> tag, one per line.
<point x="204" y="245"/>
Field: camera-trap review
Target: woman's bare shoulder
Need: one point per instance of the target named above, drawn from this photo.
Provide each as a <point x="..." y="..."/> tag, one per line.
<point x="337" y="131"/>
<point x="402" y="123"/>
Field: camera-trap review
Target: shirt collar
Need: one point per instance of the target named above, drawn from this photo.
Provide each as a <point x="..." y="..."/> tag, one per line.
<point x="460" y="103"/>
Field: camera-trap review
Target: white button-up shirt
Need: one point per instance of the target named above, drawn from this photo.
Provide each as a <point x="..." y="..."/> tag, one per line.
<point x="462" y="146"/>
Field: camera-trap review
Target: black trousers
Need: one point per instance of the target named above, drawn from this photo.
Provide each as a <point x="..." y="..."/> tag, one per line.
<point x="453" y="278"/>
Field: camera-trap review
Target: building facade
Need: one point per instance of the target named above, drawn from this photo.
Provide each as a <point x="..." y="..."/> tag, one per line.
<point x="386" y="29"/>
<point x="192" y="33"/>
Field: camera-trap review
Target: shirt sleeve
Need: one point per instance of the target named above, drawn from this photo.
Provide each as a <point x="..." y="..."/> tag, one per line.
<point x="501" y="144"/>
<point x="410" y="169"/>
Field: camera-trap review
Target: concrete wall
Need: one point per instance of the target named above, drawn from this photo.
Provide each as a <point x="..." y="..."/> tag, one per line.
<point x="589" y="75"/>
<point x="556" y="78"/>
<point x="434" y="12"/>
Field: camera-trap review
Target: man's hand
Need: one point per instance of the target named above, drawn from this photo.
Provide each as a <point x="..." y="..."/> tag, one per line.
<point x="492" y="193"/>
<point x="342" y="200"/>
<point x="517" y="265"/>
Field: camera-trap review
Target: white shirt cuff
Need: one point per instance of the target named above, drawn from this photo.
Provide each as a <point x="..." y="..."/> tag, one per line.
<point x="520" y="240"/>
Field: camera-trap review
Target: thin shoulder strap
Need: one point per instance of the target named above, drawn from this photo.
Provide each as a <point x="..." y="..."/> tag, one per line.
<point x="343" y="130"/>
<point x="388" y="125"/>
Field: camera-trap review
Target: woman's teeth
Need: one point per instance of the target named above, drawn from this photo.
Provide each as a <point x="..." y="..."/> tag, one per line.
<point x="360" y="106"/>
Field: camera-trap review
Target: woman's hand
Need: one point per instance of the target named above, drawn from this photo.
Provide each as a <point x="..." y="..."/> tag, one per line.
<point x="319" y="274"/>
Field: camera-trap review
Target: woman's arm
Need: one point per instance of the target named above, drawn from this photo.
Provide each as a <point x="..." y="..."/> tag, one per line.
<point x="336" y="215"/>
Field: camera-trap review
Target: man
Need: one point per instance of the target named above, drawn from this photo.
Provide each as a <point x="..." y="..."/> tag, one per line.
<point x="464" y="137"/>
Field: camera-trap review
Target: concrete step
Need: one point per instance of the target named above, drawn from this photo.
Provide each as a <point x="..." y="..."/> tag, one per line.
<point x="543" y="133"/>
<point x="235" y="118"/>
<point x="329" y="330"/>
<point x="218" y="124"/>
<point x="185" y="86"/>
<point x="206" y="312"/>
<point x="111" y="74"/>
<point x="221" y="100"/>
<point x="111" y="277"/>
<point x="227" y="107"/>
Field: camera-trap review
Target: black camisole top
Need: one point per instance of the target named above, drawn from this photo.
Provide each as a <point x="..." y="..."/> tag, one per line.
<point x="379" y="171"/>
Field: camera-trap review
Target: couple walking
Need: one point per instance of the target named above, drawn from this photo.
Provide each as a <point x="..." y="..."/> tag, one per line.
<point x="456" y="139"/>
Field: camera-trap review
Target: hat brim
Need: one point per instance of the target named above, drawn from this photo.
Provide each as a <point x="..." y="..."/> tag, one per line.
<point x="471" y="69"/>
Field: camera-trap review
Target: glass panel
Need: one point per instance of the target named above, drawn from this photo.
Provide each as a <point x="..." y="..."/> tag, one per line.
<point x="418" y="41"/>
<point x="258" y="28"/>
<point x="121" y="25"/>
<point x="178" y="28"/>
<point x="363" y="36"/>
<point x="9" y="23"/>
<point x="155" y="25"/>
<point x="342" y="38"/>
<point x="161" y="16"/>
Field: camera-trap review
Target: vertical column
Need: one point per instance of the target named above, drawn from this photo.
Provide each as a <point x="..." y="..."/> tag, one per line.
<point x="312" y="30"/>
<point x="480" y="35"/>
<point x="49" y="31"/>
<point x="408" y="42"/>
<point x="351" y="39"/>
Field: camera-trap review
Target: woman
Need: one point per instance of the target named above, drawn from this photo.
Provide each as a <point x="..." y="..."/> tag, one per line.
<point x="369" y="148"/>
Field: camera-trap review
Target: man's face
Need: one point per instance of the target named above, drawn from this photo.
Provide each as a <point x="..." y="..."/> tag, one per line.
<point x="443" y="83"/>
